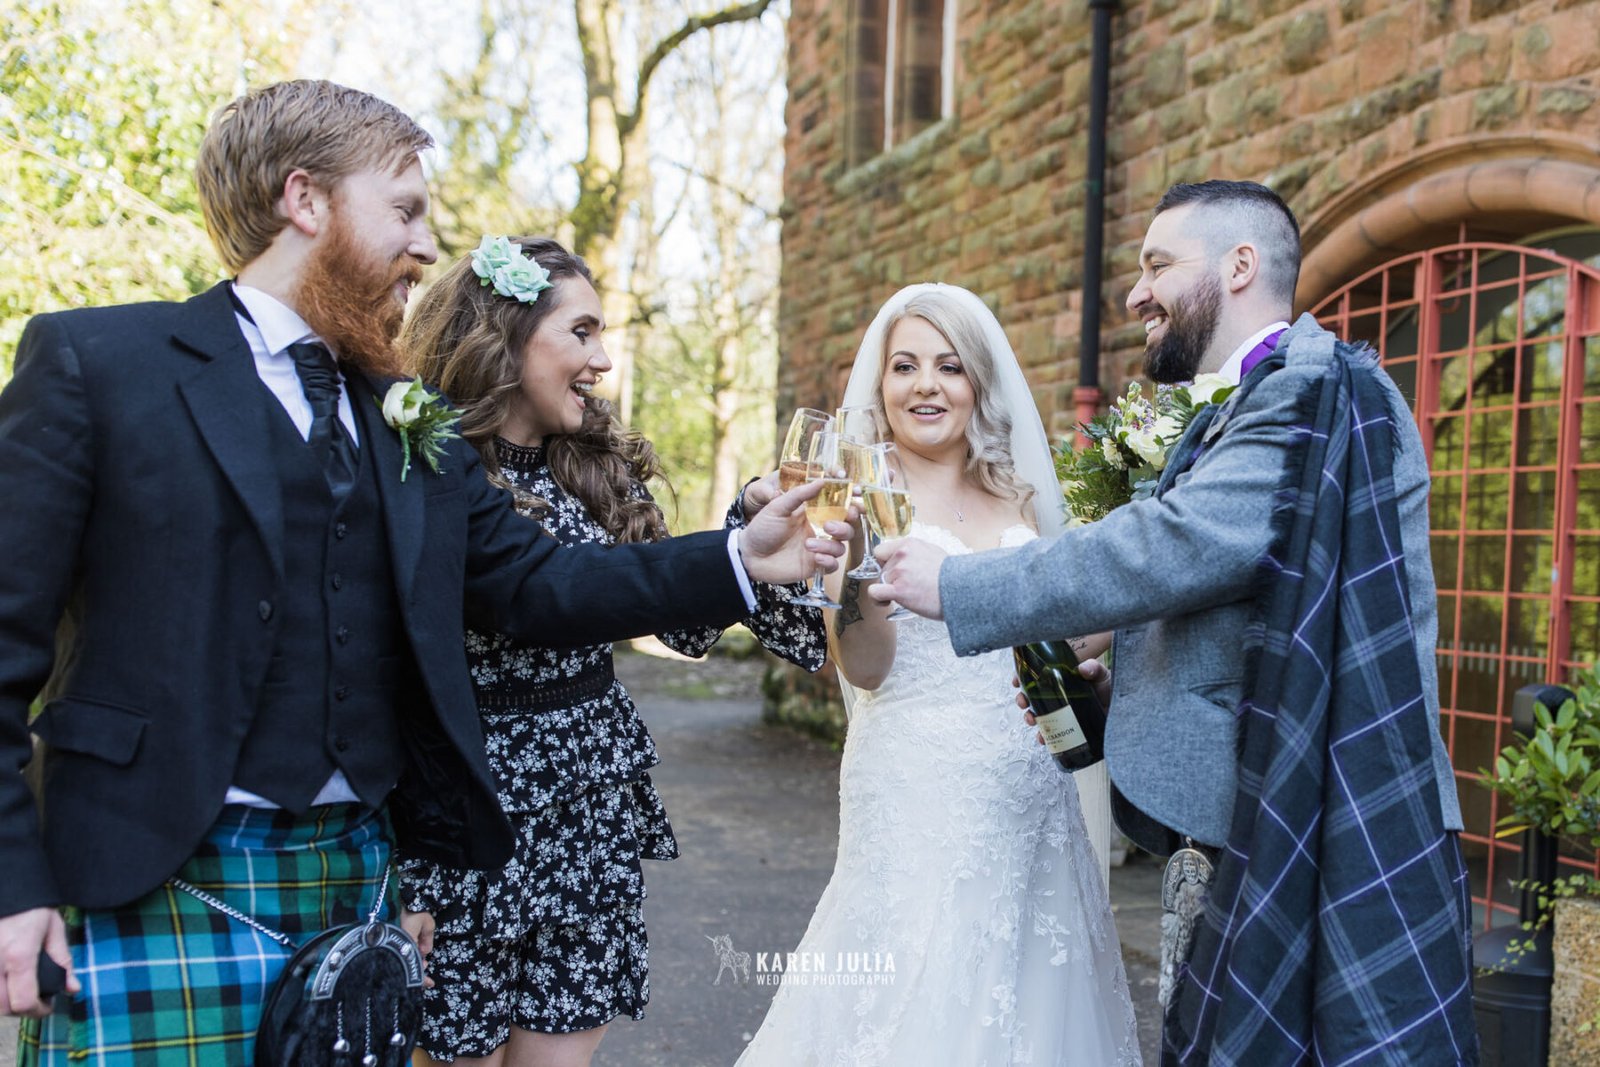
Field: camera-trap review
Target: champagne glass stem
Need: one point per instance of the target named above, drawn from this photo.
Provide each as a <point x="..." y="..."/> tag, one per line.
<point x="816" y="594"/>
<point x="868" y="567"/>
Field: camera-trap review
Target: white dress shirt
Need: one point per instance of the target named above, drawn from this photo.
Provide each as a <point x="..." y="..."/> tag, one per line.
<point x="1230" y="369"/>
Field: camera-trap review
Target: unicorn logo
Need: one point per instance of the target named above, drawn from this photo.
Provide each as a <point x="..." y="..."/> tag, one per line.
<point x="728" y="959"/>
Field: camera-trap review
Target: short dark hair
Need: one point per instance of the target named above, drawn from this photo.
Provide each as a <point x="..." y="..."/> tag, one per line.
<point x="1249" y="211"/>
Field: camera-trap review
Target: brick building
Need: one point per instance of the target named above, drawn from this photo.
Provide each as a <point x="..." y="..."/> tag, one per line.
<point x="1440" y="154"/>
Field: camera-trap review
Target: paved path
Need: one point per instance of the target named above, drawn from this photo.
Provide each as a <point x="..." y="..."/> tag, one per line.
<point x="756" y="813"/>
<point x="755" y="809"/>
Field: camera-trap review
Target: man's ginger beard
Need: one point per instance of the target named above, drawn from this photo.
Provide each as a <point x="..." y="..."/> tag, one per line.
<point x="348" y="299"/>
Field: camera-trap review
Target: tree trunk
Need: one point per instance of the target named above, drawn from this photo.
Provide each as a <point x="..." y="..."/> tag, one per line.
<point x="610" y="174"/>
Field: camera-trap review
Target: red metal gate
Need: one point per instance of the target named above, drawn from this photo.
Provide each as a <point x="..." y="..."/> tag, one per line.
<point x="1499" y="348"/>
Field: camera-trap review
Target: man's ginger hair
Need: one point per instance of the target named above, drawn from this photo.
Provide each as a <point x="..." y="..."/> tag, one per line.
<point x="256" y="141"/>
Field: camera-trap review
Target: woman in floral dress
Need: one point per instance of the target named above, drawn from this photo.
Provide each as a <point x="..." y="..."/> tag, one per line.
<point x="531" y="962"/>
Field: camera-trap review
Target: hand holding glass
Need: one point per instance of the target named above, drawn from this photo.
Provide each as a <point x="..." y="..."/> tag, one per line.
<point x="832" y="504"/>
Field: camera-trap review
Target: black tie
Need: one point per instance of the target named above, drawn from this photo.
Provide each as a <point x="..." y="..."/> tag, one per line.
<point x="330" y="442"/>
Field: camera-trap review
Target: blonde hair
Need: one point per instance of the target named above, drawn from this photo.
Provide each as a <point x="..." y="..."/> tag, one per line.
<point x="256" y="141"/>
<point x="468" y="342"/>
<point x="988" y="432"/>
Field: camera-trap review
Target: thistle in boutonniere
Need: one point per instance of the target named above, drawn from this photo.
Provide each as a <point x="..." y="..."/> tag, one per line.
<point x="422" y="419"/>
<point x="1129" y="446"/>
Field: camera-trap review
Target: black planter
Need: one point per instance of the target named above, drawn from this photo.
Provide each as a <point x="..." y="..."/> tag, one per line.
<point x="1511" y="996"/>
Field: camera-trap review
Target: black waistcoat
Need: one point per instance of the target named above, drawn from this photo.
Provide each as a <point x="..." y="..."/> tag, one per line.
<point x="329" y="700"/>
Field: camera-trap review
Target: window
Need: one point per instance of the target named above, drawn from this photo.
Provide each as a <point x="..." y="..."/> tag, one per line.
<point x="1498" y="346"/>
<point x="899" y="53"/>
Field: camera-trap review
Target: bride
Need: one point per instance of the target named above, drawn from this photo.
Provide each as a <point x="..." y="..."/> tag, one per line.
<point x="967" y="870"/>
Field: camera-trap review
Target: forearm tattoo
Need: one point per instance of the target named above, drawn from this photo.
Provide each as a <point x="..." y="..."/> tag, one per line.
<point x="850" y="610"/>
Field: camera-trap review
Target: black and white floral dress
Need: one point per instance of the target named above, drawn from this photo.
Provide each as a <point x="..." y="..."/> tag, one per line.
<point x="555" y="941"/>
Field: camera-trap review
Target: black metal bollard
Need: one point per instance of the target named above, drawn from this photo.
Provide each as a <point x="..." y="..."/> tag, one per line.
<point x="1512" y="1003"/>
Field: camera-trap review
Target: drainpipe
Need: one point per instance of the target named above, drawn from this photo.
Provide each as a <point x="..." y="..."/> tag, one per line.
<point x="1087" y="396"/>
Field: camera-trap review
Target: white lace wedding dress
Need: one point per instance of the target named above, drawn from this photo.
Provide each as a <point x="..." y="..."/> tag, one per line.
<point x="961" y="852"/>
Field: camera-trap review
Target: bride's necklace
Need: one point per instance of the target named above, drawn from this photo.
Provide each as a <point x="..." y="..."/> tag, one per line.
<point x="957" y="509"/>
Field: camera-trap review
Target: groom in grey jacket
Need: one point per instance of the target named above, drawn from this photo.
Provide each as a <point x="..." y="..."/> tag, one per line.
<point x="1175" y="576"/>
<point x="1179" y="577"/>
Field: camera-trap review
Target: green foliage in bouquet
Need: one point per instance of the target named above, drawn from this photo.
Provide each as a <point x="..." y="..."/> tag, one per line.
<point x="1129" y="446"/>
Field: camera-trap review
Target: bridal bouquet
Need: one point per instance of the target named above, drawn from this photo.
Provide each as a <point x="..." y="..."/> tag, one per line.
<point x="1128" y="446"/>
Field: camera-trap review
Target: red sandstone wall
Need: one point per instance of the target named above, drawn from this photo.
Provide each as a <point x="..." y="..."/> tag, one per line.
<point x="1334" y="103"/>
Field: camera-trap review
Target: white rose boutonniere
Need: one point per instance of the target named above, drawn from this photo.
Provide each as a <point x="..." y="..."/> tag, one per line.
<point x="1204" y="389"/>
<point x="422" y="419"/>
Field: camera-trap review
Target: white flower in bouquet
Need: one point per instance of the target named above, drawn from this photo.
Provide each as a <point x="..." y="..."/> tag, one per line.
<point x="1151" y="440"/>
<point x="1205" y="387"/>
<point x="1108" y="448"/>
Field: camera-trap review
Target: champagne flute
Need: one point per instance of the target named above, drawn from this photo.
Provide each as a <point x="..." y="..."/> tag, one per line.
<point x="832" y="503"/>
<point x="863" y="423"/>
<point x="888" y="511"/>
<point x="875" y="465"/>
<point x="860" y="429"/>
<point x="794" y="462"/>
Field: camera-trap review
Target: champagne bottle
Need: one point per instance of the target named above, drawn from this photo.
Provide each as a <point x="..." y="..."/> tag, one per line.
<point x="1071" y="718"/>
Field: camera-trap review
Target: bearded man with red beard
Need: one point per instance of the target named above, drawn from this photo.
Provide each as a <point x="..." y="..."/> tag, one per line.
<point x="259" y="688"/>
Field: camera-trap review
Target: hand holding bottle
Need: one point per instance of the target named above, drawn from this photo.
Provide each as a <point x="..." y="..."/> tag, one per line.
<point x="1094" y="672"/>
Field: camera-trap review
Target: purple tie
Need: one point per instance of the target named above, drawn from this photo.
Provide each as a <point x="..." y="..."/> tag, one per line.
<point x="1260" y="352"/>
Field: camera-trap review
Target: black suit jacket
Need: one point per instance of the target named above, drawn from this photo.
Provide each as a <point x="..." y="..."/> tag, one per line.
<point x="138" y="500"/>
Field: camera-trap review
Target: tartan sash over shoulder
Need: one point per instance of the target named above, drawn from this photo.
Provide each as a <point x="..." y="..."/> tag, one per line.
<point x="1337" y="928"/>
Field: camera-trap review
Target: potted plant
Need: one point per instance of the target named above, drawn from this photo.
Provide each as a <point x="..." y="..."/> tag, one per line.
<point x="1549" y="782"/>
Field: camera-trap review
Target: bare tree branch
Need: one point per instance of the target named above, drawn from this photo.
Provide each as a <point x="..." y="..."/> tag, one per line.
<point x="664" y="47"/>
<point x="716" y="181"/>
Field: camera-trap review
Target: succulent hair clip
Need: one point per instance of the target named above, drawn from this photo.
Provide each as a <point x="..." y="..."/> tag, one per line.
<point x="499" y="262"/>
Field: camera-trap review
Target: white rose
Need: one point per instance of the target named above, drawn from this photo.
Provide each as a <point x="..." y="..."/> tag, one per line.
<point x="1148" y="447"/>
<point x="403" y="403"/>
<point x="1204" y="387"/>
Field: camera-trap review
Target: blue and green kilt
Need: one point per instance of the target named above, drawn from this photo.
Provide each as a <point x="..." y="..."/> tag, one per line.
<point x="169" y="980"/>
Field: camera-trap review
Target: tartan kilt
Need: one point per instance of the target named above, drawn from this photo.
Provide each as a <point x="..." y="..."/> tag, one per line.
<point x="169" y="980"/>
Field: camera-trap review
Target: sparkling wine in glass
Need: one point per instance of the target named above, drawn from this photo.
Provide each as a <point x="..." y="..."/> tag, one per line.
<point x="825" y="461"/>
<point x="830" y="505"/>
<point x="888" y="513"/>
<point x="794" y="463"/>
<point x="874" y="465"/>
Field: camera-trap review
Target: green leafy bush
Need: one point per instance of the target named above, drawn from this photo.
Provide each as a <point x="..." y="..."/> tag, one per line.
<point x="1551" y="780"/>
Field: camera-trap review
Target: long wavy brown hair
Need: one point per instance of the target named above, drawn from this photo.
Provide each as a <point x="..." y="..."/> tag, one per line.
<point x="469" y="343"/>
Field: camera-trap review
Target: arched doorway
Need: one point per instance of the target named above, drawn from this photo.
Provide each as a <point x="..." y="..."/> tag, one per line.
<point x="1498" y="346"/>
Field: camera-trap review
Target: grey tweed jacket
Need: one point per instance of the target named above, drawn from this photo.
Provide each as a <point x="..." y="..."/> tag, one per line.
<point x="1174" y="577"/>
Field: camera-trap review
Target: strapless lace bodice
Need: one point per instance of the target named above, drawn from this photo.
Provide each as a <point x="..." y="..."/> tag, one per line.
<point x="925" y="666"/>
<point x="962" y="852"/>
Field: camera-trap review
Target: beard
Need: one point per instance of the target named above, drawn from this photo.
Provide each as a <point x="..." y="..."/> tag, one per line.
<point x="1190" y="326"/>
<point x="347" y="297"/>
